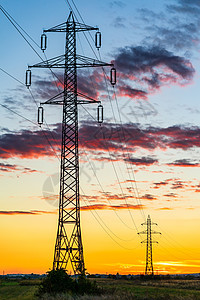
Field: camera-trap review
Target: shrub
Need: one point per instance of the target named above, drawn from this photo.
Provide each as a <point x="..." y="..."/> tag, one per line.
<point x="58" y="281"/>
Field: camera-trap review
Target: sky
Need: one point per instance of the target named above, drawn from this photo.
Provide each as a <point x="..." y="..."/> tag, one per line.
<point x="143" y="160"/>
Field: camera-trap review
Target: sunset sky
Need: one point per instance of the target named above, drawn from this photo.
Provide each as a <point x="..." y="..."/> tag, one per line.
<point x="143" y="160"/>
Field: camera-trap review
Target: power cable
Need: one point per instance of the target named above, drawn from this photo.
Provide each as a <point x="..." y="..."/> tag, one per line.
<point x="104" y="75"/>
<point x="12" y="22"/>
<point x="10" y="19"/>
<point x="107" y="228"/>
<point x="112" y="112"/>
<point x="14" y="78"/>
<point x="19" y="115"/>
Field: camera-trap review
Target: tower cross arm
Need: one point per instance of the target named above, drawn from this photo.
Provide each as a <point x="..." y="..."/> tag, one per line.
<point x="70" y="26"/>
<point x="56" y="62"/>
<point x="155" y="232"/>
<point x="146" y="241"/>
<point x="67" y="26"/>
<point x="142" y="232"/>
<point x="58" y="99"/>
<point x="81" y="62"/>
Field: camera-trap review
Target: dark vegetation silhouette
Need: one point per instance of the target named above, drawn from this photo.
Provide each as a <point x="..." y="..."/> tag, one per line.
<point x="58" y="281"/>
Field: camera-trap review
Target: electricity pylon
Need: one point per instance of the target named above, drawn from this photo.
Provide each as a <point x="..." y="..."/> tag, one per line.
<point x="68" y="247"/>
<point x="149" y="242"/>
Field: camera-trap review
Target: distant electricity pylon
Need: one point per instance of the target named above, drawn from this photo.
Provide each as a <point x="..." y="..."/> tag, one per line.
<point x="148" y="241"/>
<point x="68" y="247"/>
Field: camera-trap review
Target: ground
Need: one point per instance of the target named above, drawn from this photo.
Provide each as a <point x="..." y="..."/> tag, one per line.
<point x="115" y="289"/>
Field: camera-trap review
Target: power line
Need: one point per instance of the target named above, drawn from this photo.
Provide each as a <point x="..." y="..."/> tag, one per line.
<point x="115" y="171"/>
<point x="19" y="115"/>
<point x="12" y="21"/>
<point x="107" y="90"/>
<point x="107" y="230"/>
<point x="17" y="80"/>
<point x="12" y="77"/>
<point x="111" y="108"/>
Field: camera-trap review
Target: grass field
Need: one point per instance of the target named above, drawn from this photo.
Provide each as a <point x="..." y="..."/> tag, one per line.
<point x="14" y="291"/>
<point x="114" y="290"/>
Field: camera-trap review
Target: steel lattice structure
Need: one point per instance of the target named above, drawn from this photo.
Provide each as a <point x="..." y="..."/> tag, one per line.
<point x="69" y="247"/>
<point x="149" y="242"/>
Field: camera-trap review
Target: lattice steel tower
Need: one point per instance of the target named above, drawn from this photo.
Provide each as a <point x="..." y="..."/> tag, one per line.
<point x="149" y="241"/>
<point x="68" y="247"/>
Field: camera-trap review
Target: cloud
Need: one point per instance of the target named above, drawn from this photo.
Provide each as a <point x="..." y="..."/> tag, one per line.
<point x="119" y="22"/>
<point x="183" y="36"/>
<point x="47" y="89"/>
<point x="110" y="137"/>
<point x="126" y="90"/>
<point x="30" y="144"/>
<point x="178" y="184"/>
<point x="137" y="60"/>
<point x="39" y="143"/>
<point x="172" y="195"/>
<point x="184" y="163"/>
<point x="177" y="137"/>
<point x="92" y="84"/>
<point x="188" y="7"/>
<point x="165" y="208"/>
<point x="12" y="167"/>
<point x="22" y="212"/>
<point x="112" y="207"/>
<point x="174" y="184"/>
<point x="112" y="197"/>
<point x="148" y="197"/>
<point x="151" y="68"/>
<point x="145" y="161"/>
<point x="141" y="70"/>
<point x="117" y="3"/>
<point x="157" y="185"/>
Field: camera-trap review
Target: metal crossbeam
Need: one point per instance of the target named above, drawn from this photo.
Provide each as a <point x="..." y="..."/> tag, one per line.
<point x="81" y="62"/>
